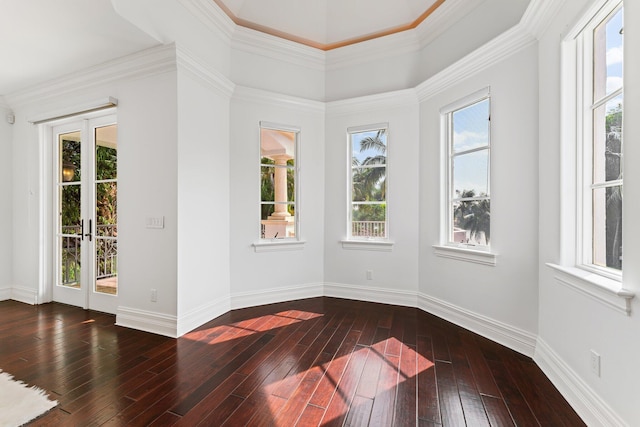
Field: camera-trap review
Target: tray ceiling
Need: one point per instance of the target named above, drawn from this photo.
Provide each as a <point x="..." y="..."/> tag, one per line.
<point x="329" y="24"/>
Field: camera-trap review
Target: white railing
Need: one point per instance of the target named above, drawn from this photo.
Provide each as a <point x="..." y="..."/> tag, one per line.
<point x="368" y="229"/>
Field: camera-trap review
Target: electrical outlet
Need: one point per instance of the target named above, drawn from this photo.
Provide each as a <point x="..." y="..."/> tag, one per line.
<point x="595" y="363"/>
<point x="369" y="274"/>
<point x="154" y="295"/>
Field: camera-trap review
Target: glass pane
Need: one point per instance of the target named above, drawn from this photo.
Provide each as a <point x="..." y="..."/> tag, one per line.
<point x="267" y="181"/>
<point x="368" y="220"/>
<point x="607" y="227"/>
<point x="471" y="127"/>
<point x="107" y="209"/>
<point x="106" y="153"/>
<point x="369" y="148"/>
<point x="277" y="183"/>
<point x="277" y="221"/>
<point x="369" y="184"/>
<point x="608" y="56"/>
<point x="266" y="210"/>
<point x="471" y="222"/>
<point x="69" y="167"/>
<point x="106" y="265"/>
<point x="70" y="261"/>
<point x="70" y="209"/>
<point x="471" y="174"/>
<point x="607" y="141"/>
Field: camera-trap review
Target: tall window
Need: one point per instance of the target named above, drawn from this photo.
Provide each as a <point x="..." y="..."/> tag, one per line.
<point x="466" y="128"/>
<point x="278" y="181"/>
<point x="368" y="188"/>
<point x="600" y="99"/>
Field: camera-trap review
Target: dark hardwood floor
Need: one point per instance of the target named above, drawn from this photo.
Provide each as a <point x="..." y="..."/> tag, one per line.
<point x="321" y="361"/>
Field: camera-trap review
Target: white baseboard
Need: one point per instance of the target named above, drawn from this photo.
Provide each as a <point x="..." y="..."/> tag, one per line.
<point x="370" y="294"/>
<point x="270" y="296"/>
<point x="5" y="294"/>
<point x="202" y="314"/>
<point x="515" y="338"/>
<point x="25" y="295"/>
<point x="593" y="410"/>
<point x="148" y="321"/>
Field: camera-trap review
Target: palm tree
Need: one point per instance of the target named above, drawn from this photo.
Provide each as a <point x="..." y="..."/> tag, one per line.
<point x="473" y="215"/>
<point x="369" y="182"/>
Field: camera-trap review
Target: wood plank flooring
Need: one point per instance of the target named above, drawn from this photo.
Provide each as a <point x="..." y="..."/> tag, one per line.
<point x="320" y="361"/>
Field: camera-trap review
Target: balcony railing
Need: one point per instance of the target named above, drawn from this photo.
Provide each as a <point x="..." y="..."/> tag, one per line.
<point x="368" y="229"/>
<point x="106" y="253"/>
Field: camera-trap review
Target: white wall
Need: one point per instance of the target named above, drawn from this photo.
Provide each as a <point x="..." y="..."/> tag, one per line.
<point x="506" y="292"/>
<point x="395" y="272"/>
<point x="287" y="68"/>
<point x="486" y="19"/>
<point x="263" y="277"/>
<point x="406" y="59"/>
<point x="203" y="195"/>
<point x="147" y="187"/>
<point x="572" y="324"/>
<point x="6" y="218"/>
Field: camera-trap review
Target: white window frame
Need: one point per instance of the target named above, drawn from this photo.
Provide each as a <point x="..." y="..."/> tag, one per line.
<point x="359" y="242"/>
<point x="575" y="269"/>
<point x="282" y="242"/>
<point x="479" y="254"/>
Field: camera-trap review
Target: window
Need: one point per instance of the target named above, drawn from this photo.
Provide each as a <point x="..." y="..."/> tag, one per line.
<point x="278" y="181"/>
<point x="368" y="182"/>
<point x="466" y="131"/>
<point x="599" y="133"/>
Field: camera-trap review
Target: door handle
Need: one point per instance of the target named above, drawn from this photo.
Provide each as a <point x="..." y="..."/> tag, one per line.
<point x="89" y="233"/>
<point x="82" y="229"/>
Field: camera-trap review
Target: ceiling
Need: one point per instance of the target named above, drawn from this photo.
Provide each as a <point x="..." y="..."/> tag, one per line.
<point x="329" y="24"/>
<point x="44" y="39"/>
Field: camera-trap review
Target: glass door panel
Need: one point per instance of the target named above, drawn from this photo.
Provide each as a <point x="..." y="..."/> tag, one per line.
<point x="70" y="229"/>
<point x="106" y="197"/>
<point x="86" y="180"/>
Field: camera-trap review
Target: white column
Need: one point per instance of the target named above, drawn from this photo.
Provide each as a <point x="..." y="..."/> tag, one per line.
<point x="280" y="190"/>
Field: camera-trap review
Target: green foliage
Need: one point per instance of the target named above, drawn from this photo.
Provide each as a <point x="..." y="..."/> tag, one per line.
<point x="369" y="181"/>
<point x="267" y="186"/>
<point x="473" y="215"/>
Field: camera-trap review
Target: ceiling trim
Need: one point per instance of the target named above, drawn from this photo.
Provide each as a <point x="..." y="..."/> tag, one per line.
<point x="329" y="46"/>
<point x="155" y="60"/>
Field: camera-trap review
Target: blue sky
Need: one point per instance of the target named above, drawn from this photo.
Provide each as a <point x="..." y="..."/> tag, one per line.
<point x="471" y="130"/>
<point x="357" y="137"/>
<point x="614" y="52"/>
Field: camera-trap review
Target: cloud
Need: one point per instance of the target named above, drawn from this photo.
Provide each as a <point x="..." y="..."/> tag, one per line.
<point x="614" y="55"/>
<point x="467" y="140"/>
<point x="613" y="83"/>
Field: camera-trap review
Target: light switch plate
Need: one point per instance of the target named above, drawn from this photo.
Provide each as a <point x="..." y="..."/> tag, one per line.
<point x="155" y="222"/>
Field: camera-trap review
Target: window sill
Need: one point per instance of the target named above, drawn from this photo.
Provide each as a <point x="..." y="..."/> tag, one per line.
<point x="464" y="254"/>
<point x="368" y="245"/>
<point x="602" y="289"/>
<point x="277" y="245"/>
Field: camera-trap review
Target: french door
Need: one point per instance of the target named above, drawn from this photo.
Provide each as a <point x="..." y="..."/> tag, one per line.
<point x="85" y="206"/>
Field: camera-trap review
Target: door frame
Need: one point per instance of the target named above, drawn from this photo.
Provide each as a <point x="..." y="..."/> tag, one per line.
<point x="47" y="268"/>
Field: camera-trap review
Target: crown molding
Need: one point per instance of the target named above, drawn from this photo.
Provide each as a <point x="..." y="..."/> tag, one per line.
<point x="262" y="44"/>
<point x="188" y="62"/>
<point x="274" y="99"/>
<point x="381" y="101"/>
<point x="440" y="20"/>
<point x="539" y="15"/>
<point x="210" y="14"/>
<point x="396" y="44"/>
<point x="505" y="45"/>
<point x="148" y="62"/>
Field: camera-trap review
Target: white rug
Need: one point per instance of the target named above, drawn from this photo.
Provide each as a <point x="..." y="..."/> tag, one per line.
<point x="20" y="403"/>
